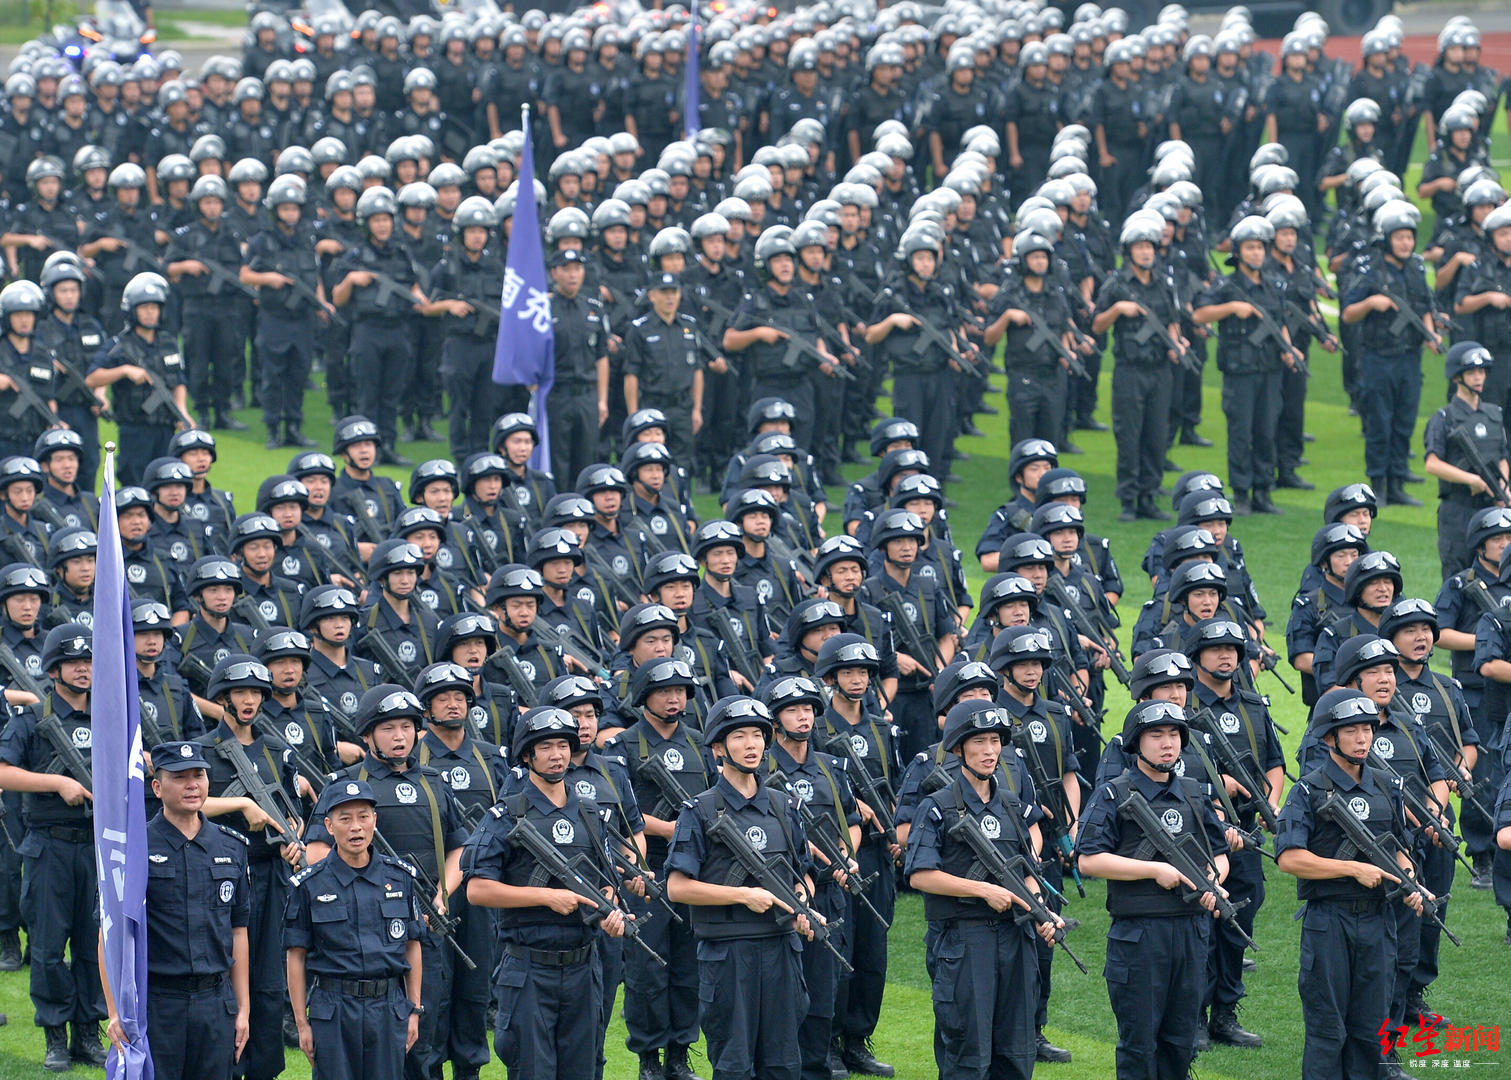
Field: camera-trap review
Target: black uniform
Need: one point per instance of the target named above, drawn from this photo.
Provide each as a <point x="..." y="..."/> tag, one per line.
<point x="581" y="340"/>
<point x="197" y="895"/>
<point x="1142" y="382"/>
<point x="1485" y="428"/>
<point x="381" y="342"/>
<point x="286" y="326"/>
<point x="144" y="434"/>
<point x="216" y="315"/>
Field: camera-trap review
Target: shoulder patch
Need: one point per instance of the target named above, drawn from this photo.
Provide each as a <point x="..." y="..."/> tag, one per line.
<point x="303" y="875"/>
<point x="408" y="868"/>
<point x="232" y="833"/>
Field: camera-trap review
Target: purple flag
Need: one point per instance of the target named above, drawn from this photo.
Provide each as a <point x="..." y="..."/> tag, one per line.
<point x="690" y="91"/>
<point x="120" y="813"/>
<point x="525" y="352"/>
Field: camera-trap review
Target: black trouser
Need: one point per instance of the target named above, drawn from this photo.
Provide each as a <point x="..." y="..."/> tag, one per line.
<point x="1408" y="945"/>
<point x="263" y="1057"/>
<point x="1478" y="830"/>
<point x="1245" y="882"/>
<point x="432" y="1043"/>
<point x="471" y="394"/>
<point x="19" y="447"/>
<point x="1155" y="970"/>
<point x="547" y="1024"/>
<point x="1291" y="423"/>
<point x="723" y="423"/>
<point x="928" y="401"/>
<point x="1391" y="388"/>
<point x="1251" y="402"/>
<point x="10" y="862"/>
<point x="464" y="1036"/>
<point x="81" y="418"/>
<point x="1302" y="148"/>
<point x="857" y="1002"/>
<point x="918" y="724"/>
<point x="1055" y="876"/>
<point x="215" y="348"/>
<point x="284" y="368"/>
<point x="381" y="357"/>
<point x="572" y="412"/>
<point x="334" y="343"/>
<point x="1437" y="875"/>
<point x="1210" y="167"/>
<point x="984" y="975"/>
<point x="828" y="404"/>
<point x="1140" y="416"/>
<point x="1185" y="389"/>
<point x="1454" y="512"/>
<point x="821" y="978"/>
<point x="1121" y="179"/>
<point x="1351" y="349"/>
<point x="1347" y="955"/>
<point x="140" y="443"/>
<point x="751" y="1002"/>
<point x="60" y="903"/>
<point x="423" y="399"/>
<point x="661" y="1003"/>
<point x="1036" y="398"/>
<point x="193" y="1034"/>
<point x="1083" y="392"/>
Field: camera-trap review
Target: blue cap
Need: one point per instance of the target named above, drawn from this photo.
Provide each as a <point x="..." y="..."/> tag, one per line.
<point x="340" y="792"/>
<point x="178" y="757"/>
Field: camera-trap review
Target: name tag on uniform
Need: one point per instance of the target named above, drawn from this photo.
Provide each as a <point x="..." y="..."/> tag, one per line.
<point x="41" y="374"/>
<point x="90" y="340"/>
<point x="173" y="360"/>
<point x="221" y="861"/>
<point x="651" y="339"/>
<point x="392" y="894"/>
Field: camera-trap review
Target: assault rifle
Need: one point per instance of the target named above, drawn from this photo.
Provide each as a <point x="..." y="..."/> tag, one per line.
<point x="1468" y="790"/>
<point x="271" y="799"/>
<point x="367" y="521"/>
<point x="1427" y="819"/>
<point x="1313" y="322"/>
<point x="136" y="254"/>
<point x="926" y="653"/>
<point x="1150" y="327"/>
<point x="991" y="864"/>
<point x="1043" y="336"/>
<point x="798" y="347"/>
<point x="1095" y="631"/>
<point x="28" y="400"/>
<point x="1051" y="792"/>
<point x="299" y="288"/>
<point x="159" y="397"/>
<point x="568" y="875"/>
<point x="51" y="729"/>
<point x="1461" y="437"/>
<point x="880" y="801"/>
<point x="20" y="678"/>
<point x="1269" y="328"/>
<point x="70" y="379"/>
<point x="836" y="861"/>
<point x="336" y="561"/>
<point x="929" y="334"/>
<point x="524" y="688"/>
<point x="439" y="921"/>
<point x="778" y="877"/>
<point x="1359" y="842"/>
<point x="1193" y="867"/>
<point x="740" y="654"/>
<point x="1232" y="764"/>
<point x="1407" y="317"/>
<point x="222" y="278"/>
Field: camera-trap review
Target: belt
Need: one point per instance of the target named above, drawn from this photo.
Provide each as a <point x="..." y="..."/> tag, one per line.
<point x="1357" y="907"/>
<point x="362" y="988"/>
<point x="962" y="924"/>
<point x="71" y="833"/>
<point x="185" y="984"/>
<point x="550" y="957"/>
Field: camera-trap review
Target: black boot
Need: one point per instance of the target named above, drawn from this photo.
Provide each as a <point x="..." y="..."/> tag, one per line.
<point x="1481" y="880"/>
<point x="10" y="950"/>
<point x="293" y="436"/>
<point x="1147" y="509"/>
<point x="677" y="1067"/>
<point x="387" y="455"/>
<point x="57" y="1058"/>
<point x="227" y="422"/>
<point x="838" y="1070"/>
<point x="423" y="432"/>
<point x="1129" y="513"/>
<point x="859" y="1059"/>
<point x="1290" y="479"/>
<point x="1203" y="1040"/>
<point x="1416" y="1005"/>
<point x="85" y="1046"/>
<point x="1241" y="505"/>
<point x="1046" y="1051"/>
<point x="1395" y="494"/>
<point x="1225" y="1028"/>
<point x="1189" y="437"/>
<point x="650" y="1065"/>
<point x="1262" y="503"/>
<point x="274" y="442"/>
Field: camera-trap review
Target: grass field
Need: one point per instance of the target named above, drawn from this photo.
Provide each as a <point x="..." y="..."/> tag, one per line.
<point x="1472" y="989"/>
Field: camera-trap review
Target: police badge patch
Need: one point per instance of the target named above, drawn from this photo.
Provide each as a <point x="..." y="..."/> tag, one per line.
<point x="562" y="831"/>
<point x="757" y="837"/>
<point x="1359" y="807"/>
<point x="1172" y="821"/>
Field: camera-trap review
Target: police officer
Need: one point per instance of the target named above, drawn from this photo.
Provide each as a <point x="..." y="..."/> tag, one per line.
<point x="464" y="286"/>
<point x="1467" y="418"/>
<point x="240" y="685"/>
<point x="1348" y="930"/>
<point x="984" y="973"/>
<point x="1158" y="943"/>
<point x="168" y="712"/>
<point x="58" y="895"/>
<point x="282" y="263"/>
<point x="180" y="535"/>
<point x="365" y="494"/>
<point x="1318" y="603"/>
<point x="515" y="438"/>
<point x="24" y="360"/>
<point x="1372" y="582"/>
<point x="61" y="454"/>
<point x="1225" y="710"/>
<point x="1391" y="375"/>
<point x="381" y="313"/>
<point x="579" y="400"/>
<point x="422" y="825"/>
<point x="475" y="771"/>
<point x="663" y="364"/>
<point x="1038" y="363"/>
<point x="1251" y="364"/>
<point x="214" y="583"/>
<point x="352" y="931"/>
<point x="739" y="927"/>
<point x="149" y="360"/>
<point x="667" y="765"/>
<point x="205" y="502"/>
<point x="328" y="614"/>
<point x="549" y="981"/>
<point x="394" y="616"/>
<point x="216" y="314"/>
<point x="198" y="906"/>
<point x="1144" y="375"/>
<point x="317" y="745"/>
<point x="73" y="334"/>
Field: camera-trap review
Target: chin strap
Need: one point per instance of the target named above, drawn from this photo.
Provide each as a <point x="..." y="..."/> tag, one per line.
<point x="1158" y="766"/>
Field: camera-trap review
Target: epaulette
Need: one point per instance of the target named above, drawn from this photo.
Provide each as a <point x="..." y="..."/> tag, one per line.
<point x="232" y="833"/>
<point x="408" y="868"/>
<point x="640" y="321"/>
<point x="497" y="811"/>
<point x="300" y="877"/>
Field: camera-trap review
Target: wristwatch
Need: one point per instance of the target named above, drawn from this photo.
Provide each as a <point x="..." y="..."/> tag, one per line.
<point x="416" y="1010"/>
